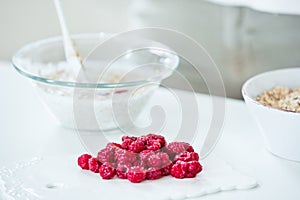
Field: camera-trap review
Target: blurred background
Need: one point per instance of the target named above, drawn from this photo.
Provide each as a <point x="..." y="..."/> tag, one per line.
<point x="244" y="37"/>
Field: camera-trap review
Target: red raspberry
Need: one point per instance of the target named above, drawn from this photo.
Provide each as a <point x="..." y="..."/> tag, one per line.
<point x="113" y="146"/>
<point x="106" y="155"/>
<point x="140" y="163"/>
<point x="143" y="158"/>
<point x="194" y="167"/>
<point x="83" y="161"/>
<point x="132" y="138"/>
<point x="179" y="169"/>
<point x="167" y="169"/>
<point x="118" y="145"/>
<point x="164" y="157"/>
<point x="136" y="175"/>
<point x="158" y="138"/>
<point x="175" y="148"/>
<point x="94" y="165"/>
<point x="124" y="156"/>
<point x="122" y="171"/>
<point x="143" y="139"/>
<point x="127" y="140"/>
<point x="145" y="154"/>
<point x="187" y="156"/>
<point x="154" y="161"/>
<point x="135" y="154"/>
<point x="183" y="169"/>
<point x="107" y="171"/>
<point x="126" y="143"/>
<point x="159" y="159"/>
<point x="136" y="146"/>
<point x="190" y="148"/>
<point x="154" y="173"/>
<point x="153" y="145"/>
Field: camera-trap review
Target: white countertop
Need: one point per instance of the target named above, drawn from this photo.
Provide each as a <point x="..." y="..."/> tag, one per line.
<point x="26" y="130"/>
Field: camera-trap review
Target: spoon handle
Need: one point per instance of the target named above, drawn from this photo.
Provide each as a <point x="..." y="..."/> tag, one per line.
<point x="71" y="53"/>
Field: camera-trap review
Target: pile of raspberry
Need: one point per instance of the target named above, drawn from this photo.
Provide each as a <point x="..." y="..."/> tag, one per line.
<point x="142" y="158"/>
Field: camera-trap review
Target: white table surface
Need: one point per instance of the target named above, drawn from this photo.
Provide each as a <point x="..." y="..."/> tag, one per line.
<point x="26" y="130"/>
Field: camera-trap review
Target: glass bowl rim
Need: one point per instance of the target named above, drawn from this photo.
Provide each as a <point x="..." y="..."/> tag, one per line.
<point x="86" y="36"/>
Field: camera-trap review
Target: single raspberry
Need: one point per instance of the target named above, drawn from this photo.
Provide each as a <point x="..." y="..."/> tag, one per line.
<point x="183" y="169"/>
<point x="107" y="171"/>
<point x="118" y="145"/>
<point x="132" y="138"/>
<point x="113" y="146"/>
<point x="164" y="157"/>
<point x="106" y="155"/>
<point x="187" y="156"/>
<point x="153" y="145"/>
<point x="122" y="171"/>
<point x="94" y="165"/>
<point x="158" y="138"/>
<point x="143" y="156"/>
<point x="194" y="167"/>
<point x="167" y="169"/>
<point x="144" y="139"/>
<point x="140" y="163"/>
<point x="124" y="156"/>
<point x="126" y="143"/>
<point x="176" y="148"/>
<point x="154" y="173"/>
<point x="159" y="159"/>
<point x="127" y="140"/>
<point x="83" y="161"/>
<point x="190" y="148"/>
<point x="136" y="175"/>
<point x="179" y="169"/>
<point x="154" y="161"/>
<point x="190" y="175"/>
<point x="136" y="146"/>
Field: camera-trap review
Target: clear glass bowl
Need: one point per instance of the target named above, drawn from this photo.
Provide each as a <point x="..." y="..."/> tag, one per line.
<point x="109" y="97"/>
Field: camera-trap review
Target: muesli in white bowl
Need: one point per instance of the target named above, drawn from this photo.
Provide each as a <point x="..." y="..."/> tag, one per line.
<point x="273" y="100"/>
<point x="281" y="97"/>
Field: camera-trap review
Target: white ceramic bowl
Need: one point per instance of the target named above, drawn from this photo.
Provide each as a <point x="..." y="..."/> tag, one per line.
<point x="280" y="129"/>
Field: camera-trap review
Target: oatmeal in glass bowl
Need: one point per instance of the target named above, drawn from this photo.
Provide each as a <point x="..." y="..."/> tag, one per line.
<point x="97" y="97"/>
